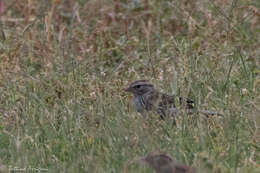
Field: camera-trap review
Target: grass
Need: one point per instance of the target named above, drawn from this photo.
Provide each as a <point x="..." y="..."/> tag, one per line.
<point x="63" y="71"/>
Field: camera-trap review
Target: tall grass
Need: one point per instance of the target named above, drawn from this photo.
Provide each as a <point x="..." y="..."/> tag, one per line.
<point x="64" y="68"/>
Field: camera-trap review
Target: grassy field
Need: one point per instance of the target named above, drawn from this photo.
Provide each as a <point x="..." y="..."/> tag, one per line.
<point x="64" y="65"/>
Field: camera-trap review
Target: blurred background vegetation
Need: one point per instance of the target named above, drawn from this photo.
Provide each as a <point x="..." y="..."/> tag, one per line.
<point x="64" y="65"/>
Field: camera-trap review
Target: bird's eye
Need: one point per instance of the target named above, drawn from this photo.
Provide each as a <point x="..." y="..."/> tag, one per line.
<point x="137" y="86"/>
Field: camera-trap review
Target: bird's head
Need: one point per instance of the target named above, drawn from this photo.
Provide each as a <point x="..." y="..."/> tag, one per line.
<point x="140" y="87"/>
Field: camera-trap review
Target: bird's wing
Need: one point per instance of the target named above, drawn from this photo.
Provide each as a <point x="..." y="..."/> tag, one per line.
<point x="167" y="101"/>
<point x="165" y="105"/>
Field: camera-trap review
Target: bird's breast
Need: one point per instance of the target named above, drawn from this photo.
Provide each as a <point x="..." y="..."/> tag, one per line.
<point x="139" y="103"/>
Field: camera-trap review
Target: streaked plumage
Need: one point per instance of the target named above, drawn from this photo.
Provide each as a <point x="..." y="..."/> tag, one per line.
<point x="147" y="98"/>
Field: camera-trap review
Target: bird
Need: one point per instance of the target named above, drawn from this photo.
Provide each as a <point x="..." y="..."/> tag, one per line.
<point x="147" y="98"/>
<point x="163" y="163"/>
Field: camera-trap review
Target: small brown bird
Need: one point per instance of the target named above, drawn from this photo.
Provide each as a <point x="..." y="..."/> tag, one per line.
<point x="162" y="163"/>
<point x="147" y="98"/>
